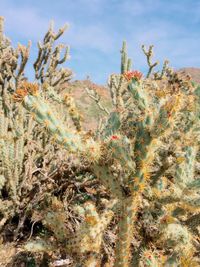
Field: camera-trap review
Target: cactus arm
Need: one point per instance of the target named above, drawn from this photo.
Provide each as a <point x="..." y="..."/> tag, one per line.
<point x="68" y="103"/>
<point x="128" y="211"/>
<point x="113" y="124"/>
<point x="126" y="63"/>
<point x="149" y="53"/>
<point x="121" y="150"/>
<point x="144" y="149"/>
<point x="184" y="174"/>
<point x="44" y="115"/>
<point x="124" y="59"/>
<point x="88" y="238"/>
<point x="108" y="180"/>
<point x="166" y="116"/>
<point x="138" y="93"/>
<point x="97" y="98"/>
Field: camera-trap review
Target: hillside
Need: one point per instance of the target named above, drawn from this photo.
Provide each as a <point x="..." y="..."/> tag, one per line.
<point x="87" y="106"/>
<point x="193" y="72"/>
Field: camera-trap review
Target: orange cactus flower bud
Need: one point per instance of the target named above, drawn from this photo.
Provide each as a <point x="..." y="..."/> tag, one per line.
<point x="137" y="75"/>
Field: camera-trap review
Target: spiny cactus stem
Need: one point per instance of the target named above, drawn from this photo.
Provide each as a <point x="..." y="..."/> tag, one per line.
<point x="130" y="207"/>
<point x="128" y="212"/>
<point x="45" y="116"/>
<point x="73" y="142"/>
<point x="149" y="53"/>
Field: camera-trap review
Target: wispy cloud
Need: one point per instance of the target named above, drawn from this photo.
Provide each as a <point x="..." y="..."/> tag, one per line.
<point x="23" y="22"/>
<point x="98" y="27"/>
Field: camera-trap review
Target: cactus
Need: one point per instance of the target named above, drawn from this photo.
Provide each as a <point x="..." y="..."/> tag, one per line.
<point x="149" y="129"/>
<point x="126" y="63"/>
<point x="144" y="155"/>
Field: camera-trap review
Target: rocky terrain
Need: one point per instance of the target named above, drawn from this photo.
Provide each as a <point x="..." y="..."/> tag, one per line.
<point x="193" y="72"/>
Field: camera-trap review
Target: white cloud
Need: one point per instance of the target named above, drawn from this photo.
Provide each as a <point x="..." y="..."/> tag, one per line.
<point x="28" y="23"/>
<point x="99" y="26"/>
<point x="24" y="22"/>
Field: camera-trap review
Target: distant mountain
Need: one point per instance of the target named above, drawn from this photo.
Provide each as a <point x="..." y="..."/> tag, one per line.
<point x="86" y="105"/>
<point x="193" y="72"/>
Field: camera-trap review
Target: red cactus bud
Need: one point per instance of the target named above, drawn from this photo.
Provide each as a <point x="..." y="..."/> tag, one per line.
<point x="114" y="137"/>
<point x="137" y="75"/>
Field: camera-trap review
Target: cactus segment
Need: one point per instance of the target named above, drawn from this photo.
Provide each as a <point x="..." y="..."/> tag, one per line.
<point x="113" y="124"/>
<point x="128" y="212"/>
<point x="138" y="94"/>
<point x="184" y="174"/>
<point x="45" y="116"/>
<point x="122" y="151"/>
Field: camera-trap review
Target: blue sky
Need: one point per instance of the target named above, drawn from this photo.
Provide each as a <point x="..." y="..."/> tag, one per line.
<point x="98" y="27"/>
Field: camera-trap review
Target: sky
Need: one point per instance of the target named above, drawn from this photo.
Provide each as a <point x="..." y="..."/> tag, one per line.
<point x="97" y="29"/>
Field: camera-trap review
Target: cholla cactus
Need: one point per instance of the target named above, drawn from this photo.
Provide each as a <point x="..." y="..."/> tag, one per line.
<point x="145" y="119"/>
<point x="88" y="238"/>
<point x="144" y="155"/>
<point x="11" y="118"/>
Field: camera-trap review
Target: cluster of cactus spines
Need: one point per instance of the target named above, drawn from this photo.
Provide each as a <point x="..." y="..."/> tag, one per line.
<point x="129" y="157"/>
<point x="55" y="218"/>
<point x="184" y="173"/>
<point x="152" y="258"/>
<point x="73" y="111"/>
<point x="89" y="237"/>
